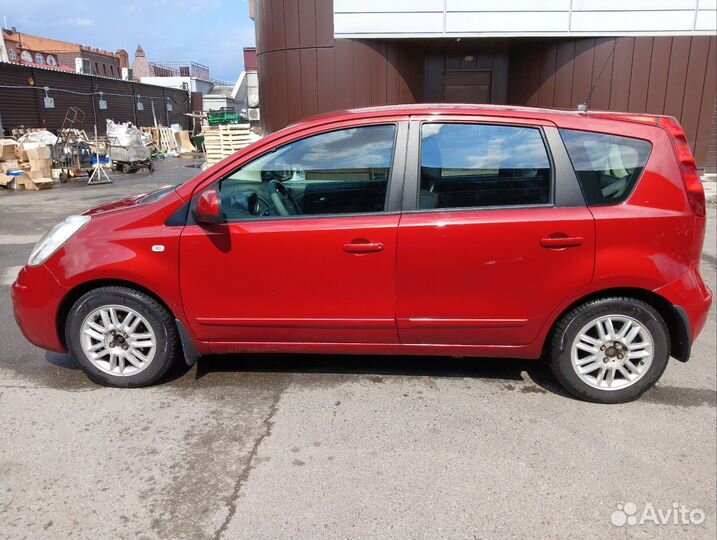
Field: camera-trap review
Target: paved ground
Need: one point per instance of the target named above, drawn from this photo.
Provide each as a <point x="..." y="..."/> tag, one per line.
<point x="337" y="447"/>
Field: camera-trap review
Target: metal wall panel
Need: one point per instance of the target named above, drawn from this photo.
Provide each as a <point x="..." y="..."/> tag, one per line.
<point x="74" y="94"/>
<point x="149" y="96"/>
<point x="25" y="107"/>
<point x="303" y="71"/>
<point x="515" y="18"/>
<point x="661" y="75"/>
<point x="18" y="107"/>
<point x="120" y="107"/>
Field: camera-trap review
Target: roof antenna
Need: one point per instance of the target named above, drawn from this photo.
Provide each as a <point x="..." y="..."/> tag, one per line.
<point x="583" y="107"/>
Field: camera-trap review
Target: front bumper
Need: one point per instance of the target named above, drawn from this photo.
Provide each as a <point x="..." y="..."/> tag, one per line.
<point x="36" y="300"/>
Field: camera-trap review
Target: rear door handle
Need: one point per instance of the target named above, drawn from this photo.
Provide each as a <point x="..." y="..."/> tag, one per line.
<point x="561" y="241"/>
<point x="363" y="247"/>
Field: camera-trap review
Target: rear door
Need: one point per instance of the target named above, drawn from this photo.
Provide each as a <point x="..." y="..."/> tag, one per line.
<point x="495" y="232"/>
<point x="314" y="261"/>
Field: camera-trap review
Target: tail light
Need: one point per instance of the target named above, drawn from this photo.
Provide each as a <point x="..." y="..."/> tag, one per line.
<point x="690" y="176"/>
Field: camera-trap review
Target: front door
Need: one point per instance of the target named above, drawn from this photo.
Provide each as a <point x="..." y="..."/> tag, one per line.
<point x="467" y="87"/>
<point x="488" y="253"/>
<point x="308" y="250"/>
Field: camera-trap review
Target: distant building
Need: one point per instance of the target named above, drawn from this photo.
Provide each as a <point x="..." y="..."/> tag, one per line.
<point x="243" y="97"/>
<point x="186" y="75"/>
<point x="141" y="67"/>
<point x="29" y="50"/>
<point x="251" y="84"/>
<point x="222" y="97"/>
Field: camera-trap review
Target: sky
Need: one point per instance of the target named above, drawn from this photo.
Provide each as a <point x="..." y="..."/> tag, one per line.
<point x="210" y="32"/>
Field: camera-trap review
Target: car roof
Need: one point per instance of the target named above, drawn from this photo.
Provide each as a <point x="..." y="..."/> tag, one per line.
<point x="449" y="108"/>
<point x="440" y="108"/>
<point x="469" y="109"/>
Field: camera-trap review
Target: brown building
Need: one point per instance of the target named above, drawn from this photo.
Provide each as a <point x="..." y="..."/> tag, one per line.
<point x="29" y="50"/>
<point x="320" y="55"/>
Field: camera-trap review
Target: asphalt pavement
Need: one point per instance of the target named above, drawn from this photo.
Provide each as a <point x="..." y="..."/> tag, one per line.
<point x="300" y="446"/>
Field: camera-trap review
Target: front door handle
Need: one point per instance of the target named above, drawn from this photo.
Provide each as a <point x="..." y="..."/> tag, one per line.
<point x="363" y="247"/>
<point x="557" y="242"/>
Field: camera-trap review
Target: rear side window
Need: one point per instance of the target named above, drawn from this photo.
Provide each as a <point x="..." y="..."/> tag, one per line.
<point x="482" y="165"/>
<point x="608" y="167"/>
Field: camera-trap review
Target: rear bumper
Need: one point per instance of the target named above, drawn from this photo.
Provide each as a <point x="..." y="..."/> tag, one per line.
<point x="36" y="299"/>
<point x="691" y="294"/>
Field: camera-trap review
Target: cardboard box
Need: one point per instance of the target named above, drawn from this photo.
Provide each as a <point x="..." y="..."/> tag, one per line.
<point x="41" y="165"/>
<point x="7" y="181"/>
<point x="20" y="154"/>
<point x="40" y="183"/>
<point x="7" y="149"/>
<point x="40" y="175"/>
<point x="36" y="152"/>
<point x="25" y="181"/>
<point x="10" y="165"/>
<point x="11" y="182"/>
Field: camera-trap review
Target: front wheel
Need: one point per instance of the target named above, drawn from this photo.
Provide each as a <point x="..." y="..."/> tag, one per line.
<point x="610" y="350"/>
<point x="121" y="337"/>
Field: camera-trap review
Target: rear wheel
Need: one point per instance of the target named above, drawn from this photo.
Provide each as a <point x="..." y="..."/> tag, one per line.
<point x="121" y="337"/>
<point x="610" y="350"/>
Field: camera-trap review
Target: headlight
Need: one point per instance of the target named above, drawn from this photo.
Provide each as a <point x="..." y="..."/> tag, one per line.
<point x="55" y="238"/>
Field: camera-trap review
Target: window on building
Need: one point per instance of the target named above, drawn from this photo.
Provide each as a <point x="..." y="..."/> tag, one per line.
<point x="341" y="172"/>
<point x="112" y="70"/>
<point x="25" y="56"/>
<point x="607" y="166"/>
<point x="97" y="68"/>
<point x="39" y="59"/>
<point x="12" y="55"/>
<point x="481" y="165"/>
<point x="104" y="69"/>
<point x="51" y="60"/>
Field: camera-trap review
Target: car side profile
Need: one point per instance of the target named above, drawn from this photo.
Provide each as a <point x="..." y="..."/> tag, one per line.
<point x="458" y="230"/>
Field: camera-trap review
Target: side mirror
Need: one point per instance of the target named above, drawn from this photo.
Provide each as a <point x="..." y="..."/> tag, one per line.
<point x="208" y="210"/>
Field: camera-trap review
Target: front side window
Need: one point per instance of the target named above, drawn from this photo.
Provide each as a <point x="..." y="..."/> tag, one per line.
<point x="481" y="165"/>
<point x="39" y="59"/>
<point x="607" y="166"/>
<point x="12" y="55"/>
<point x="51" y="60"/>
<point x="26" y="56"/>
<point x="340" y="172"/>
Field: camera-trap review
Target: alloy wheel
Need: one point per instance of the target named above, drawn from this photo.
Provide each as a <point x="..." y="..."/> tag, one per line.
<point x="118" y="340"/>
<point x="612" y="352"/>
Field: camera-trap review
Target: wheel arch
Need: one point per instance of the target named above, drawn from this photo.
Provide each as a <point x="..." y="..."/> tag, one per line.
<point x="71" y="297"/>
<point x="674" y="316"/>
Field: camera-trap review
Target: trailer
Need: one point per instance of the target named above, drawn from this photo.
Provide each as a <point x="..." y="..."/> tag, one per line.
<point x="129" y="159"/>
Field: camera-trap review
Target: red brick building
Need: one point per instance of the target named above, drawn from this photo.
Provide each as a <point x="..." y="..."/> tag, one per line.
<point x="29" y="50"/>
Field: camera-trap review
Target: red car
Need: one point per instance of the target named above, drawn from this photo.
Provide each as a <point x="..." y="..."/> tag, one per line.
<point x="424" y="230"/>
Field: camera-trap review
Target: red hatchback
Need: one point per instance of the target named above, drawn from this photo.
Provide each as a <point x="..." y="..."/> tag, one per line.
<point x="425" y="229"/>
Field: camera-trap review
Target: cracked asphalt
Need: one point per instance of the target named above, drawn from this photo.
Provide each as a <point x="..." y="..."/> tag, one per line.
<point x="300" y="446"/>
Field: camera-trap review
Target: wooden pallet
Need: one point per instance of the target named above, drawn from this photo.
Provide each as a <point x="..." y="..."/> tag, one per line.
<point x="223" y="141"/>
<point x="163" y="138"/>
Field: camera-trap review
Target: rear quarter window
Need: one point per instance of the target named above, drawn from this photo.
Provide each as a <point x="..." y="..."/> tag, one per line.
<point x="607" y="166"/>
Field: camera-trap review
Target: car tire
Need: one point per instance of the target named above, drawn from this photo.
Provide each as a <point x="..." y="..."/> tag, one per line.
<point x="598" y="359"/>
<point x="131" y="351"/>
